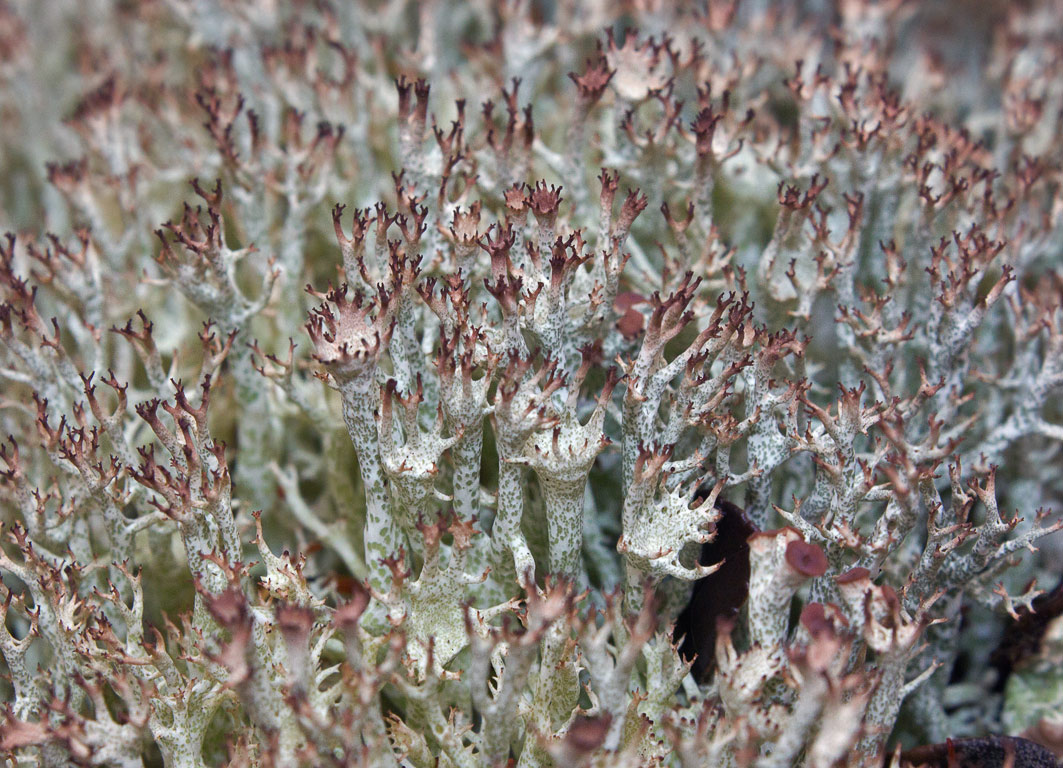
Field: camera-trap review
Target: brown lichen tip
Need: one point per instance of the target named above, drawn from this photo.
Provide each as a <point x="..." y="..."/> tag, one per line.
<point x="807" y="559"/>
<point x="346" y="616"/>
<point x="814" y="618"/>
<point x="764" y="541"/>
<point x="630" y="324"/>
<point x="853" y="575"/>
<point x="229" y="608"/>
<point x="587" y="733"/>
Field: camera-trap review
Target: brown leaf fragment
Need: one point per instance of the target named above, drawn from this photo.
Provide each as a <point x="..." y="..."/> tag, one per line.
<point x="720" y="594"/>
<point x="989" y="752"/>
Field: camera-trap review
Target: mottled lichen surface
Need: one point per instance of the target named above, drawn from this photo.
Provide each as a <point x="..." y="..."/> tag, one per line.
<point x="374" y="375"/>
